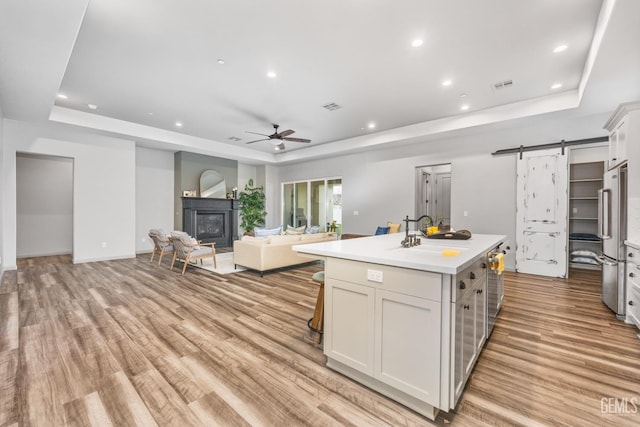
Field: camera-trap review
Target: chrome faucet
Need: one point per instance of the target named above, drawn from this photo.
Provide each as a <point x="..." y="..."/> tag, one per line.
<point x="412" y="240"/>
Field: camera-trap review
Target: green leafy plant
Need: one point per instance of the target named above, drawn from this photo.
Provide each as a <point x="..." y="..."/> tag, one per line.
<point x="252" y="211"/>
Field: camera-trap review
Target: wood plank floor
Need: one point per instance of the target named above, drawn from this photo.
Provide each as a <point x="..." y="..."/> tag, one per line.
<point x="129" y="343"/>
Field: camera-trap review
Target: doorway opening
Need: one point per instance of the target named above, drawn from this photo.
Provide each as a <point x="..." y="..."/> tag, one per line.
<point x="44" y="206"/>
<point x="433" y="193"/>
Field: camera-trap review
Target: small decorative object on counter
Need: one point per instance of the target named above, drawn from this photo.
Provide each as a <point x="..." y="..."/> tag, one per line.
<point x="234" y="192"/>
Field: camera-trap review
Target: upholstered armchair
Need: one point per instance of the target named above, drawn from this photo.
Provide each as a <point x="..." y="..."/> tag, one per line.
<point x="188" y="249"/>
<point x="161" y="243"/>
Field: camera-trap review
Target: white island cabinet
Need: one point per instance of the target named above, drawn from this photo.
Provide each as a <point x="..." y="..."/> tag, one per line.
<point x="407" y="322"/>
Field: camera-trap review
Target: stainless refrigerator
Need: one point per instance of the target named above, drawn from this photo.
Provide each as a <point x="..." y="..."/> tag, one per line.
<point x="612" y="229"/>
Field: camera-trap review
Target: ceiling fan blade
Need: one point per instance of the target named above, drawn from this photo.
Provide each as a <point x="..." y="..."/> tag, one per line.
<point x="287" y="132"/>
<point x="297" y="139"/>
<point x="258" y="140"/>
<point x="256" y="133"/>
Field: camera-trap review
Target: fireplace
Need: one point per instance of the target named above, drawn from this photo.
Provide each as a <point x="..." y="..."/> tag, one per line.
<point x="210" y="220"/>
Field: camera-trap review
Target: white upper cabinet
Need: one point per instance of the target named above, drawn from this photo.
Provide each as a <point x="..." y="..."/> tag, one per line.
<point x="624" y="128"/>
<point x="618" y="145"/>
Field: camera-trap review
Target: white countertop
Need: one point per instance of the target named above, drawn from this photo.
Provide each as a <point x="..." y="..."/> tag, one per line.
<point x="386" y="250"/>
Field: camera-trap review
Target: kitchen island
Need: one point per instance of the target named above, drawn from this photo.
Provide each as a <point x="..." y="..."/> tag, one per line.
<point x="406" y="322"/>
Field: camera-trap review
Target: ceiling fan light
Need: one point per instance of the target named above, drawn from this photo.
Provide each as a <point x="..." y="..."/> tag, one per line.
<point x="279" y="147"/>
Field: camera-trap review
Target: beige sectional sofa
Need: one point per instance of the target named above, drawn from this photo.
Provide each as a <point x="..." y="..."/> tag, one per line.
<point x="271" y="252"/>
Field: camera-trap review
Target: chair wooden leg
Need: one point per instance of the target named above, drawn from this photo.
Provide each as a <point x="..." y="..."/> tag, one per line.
<point x="321" y="326"/>
<point x="153" y="252"/>
<point x="161" y="255"/>
<point x="186" y="261"/>
<point x="173" y="261"/>
<point x="215" y="263"/>
<point x="316" y="323"/>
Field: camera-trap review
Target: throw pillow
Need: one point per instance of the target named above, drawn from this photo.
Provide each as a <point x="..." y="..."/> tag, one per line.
<point x="314" y="229"/>
<point x="266" y="231"/>
<point x="584" y="253"/>
<point x="393" y="228"/>
<point x="382" y="230"/>
<point x="295" y="230"/>
<point x="584" y="260"/>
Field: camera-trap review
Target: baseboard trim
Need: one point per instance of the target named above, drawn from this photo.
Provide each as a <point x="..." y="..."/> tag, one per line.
<point x="110" y="258"/>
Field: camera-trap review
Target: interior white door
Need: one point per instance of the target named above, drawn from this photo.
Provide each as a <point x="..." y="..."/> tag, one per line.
<point x="541" y="223"/>
<point x="443" y="197"/>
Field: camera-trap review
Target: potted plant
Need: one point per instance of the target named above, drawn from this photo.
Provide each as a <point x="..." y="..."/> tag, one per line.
<point x="252" y="211"/>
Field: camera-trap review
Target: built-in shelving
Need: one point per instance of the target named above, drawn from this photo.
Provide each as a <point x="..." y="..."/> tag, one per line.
<point x="585" y="179"/>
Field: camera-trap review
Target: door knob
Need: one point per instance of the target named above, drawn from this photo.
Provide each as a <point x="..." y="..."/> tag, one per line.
<point x="630" y="302"/>
<point x="632" y="275"/>
<point x="466" y="307"/>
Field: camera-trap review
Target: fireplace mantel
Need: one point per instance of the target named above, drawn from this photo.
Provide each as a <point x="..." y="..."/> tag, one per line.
<point x="211" y="220"/>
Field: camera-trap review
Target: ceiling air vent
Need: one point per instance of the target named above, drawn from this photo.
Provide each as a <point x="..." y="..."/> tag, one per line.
<point x="502" y="85"/>
<point x="235" y="138"/>
<point x="332" y="106"/>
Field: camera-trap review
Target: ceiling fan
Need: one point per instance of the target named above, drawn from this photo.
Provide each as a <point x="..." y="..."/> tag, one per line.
<point x="278" y="138"/>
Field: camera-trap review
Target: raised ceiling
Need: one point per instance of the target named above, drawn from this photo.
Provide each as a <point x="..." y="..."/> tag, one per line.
<point x="148" y="64"/>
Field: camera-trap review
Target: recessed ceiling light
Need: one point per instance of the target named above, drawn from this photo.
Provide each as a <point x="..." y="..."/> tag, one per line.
<point x="447" y="83"/>
<point x="556" y="86"/>
<point x="560" y="48"/>
<point x="179" y="124"/>
<point x="220" y="61"/>
<point x="371" y="125"/>
<point x="62" y="96"/>
<point x="271" y="74"/>
<point x="464" y="107"/>
<point x="92" y="106"/>
<point x="151" y="114"/>
<point x="417" y="43"/>
<point x="463" y="95"/>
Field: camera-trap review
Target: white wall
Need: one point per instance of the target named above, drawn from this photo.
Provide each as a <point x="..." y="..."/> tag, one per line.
<point x="154" y="194"/>
<point x="44" y="205"/>
<point x="103" y="188"/>
<point x="380" y="184"/>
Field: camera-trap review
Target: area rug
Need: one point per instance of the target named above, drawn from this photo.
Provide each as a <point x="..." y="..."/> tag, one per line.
<point x="224" y="261"/>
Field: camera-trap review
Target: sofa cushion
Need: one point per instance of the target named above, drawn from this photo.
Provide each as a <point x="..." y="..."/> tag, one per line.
<point x="258" y="240"/>
<point x="312" y="237"/>
<point x="312" y="229"/>
<point x="295" y="230"/>
<point x="284" y="239"/>
<point x="266" y="231"/>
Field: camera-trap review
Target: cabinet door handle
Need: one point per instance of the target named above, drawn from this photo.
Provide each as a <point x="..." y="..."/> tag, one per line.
<point x="466" y="307"/>
<point x="484" y="265"/>
<point x="472" y="275"/>
<point x="463" y="285"/>
<point x="630" y="254"/>
<point x="479" y="292"/>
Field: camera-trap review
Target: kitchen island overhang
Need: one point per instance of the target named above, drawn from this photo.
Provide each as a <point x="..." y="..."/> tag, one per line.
<point x="407" y="322"/>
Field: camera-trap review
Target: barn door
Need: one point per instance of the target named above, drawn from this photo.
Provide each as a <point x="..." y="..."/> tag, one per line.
<point x="541" y="218"/>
